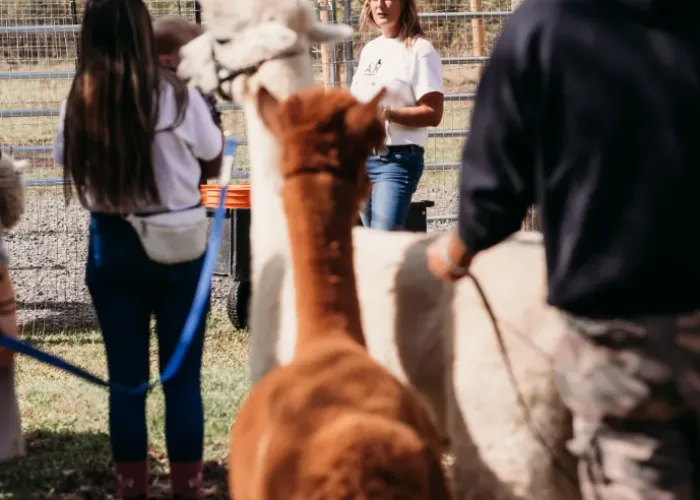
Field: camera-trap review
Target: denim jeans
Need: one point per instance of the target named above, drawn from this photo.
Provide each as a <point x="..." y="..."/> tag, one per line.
<point x="126" y="289"/>
<point x="394" y="179"/>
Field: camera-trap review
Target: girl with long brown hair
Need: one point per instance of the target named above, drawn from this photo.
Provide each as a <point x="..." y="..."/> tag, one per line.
<point x="403" y="60"/>
<point x="134" y="142"/>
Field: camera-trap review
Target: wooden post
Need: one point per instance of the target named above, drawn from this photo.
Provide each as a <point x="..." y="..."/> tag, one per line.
<point x="197" y="12"/>
<point x="478" y="33"/>
<point x="325" y="49"/>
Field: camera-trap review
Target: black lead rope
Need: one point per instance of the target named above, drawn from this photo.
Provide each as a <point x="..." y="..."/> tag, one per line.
<point x="514" y="382"/>
<point x="248" y="70"/>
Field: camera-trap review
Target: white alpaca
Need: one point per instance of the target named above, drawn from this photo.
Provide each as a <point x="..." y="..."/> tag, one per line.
<point x="11" y="190"/>
<point x="433" y="335"/>
<point x="11" y="210"/>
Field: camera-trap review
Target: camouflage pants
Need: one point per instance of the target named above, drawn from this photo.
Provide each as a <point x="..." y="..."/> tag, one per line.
<point x="633" y="387"/>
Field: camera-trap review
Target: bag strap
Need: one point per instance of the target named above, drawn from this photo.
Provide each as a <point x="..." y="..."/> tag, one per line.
<point x="161" y="212"/>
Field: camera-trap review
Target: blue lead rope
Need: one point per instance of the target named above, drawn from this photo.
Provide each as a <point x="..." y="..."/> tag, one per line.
<point x="188" y="332"/>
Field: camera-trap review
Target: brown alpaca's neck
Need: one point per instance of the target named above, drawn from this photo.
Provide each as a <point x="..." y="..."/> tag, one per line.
<point x="321" y="211"/>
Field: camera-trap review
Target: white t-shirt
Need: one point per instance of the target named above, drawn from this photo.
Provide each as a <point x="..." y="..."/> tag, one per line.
<point x="175" y="152"/>
<point x="408" y="72"/>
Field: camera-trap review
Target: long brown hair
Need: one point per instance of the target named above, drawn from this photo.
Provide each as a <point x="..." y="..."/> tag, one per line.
<point x="113" y="107"/>
<point x="410" y="28"/>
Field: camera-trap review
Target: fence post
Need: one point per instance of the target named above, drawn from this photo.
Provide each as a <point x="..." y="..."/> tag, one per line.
<point x="197" y="12"/>
<point x="74" y="11"/>
<point x="325" y="47"/>
<point x="74" y="19"/>
<point x="478" y="33"/>
<point x="335" y="73"/>
<point x="348" y="46"/>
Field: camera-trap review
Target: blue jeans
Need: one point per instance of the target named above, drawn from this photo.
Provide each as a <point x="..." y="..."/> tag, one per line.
<point x="126" y="289"/>
<point x="394" y="179"/>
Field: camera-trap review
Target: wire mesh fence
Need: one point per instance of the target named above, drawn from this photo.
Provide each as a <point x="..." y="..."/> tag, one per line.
<point x="48" y="249"/>
<point x="37" y="60"/>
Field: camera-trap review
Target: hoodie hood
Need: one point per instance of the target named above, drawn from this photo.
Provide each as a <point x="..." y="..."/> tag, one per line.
<point x="656" y="6"/>
<point x="678" y="16"/>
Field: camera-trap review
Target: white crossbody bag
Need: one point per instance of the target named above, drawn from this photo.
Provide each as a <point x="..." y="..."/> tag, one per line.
<point x="181" y="235"/>
<point x="172" y="237"/>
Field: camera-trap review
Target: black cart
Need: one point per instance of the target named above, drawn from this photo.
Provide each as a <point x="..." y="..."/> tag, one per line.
<point x="234" y="255"/>
<point x="234" y="260"/>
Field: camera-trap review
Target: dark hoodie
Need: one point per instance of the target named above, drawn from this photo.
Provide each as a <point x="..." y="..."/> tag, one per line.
<point x="591" y="109"/>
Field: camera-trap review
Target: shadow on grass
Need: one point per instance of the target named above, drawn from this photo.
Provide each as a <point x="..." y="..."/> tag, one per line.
<point x="71" y="466"/>
<point x="56" y="317"/>
<point x="43" y="319"/>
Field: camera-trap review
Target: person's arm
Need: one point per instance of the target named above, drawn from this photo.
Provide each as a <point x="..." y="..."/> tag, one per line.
<point x="207" y="136"/>
<point x="497" y="176"/>
<point x="426" y="113"/>
<point x="211" y="169"/>
<point x="210" y="100"/>
<point x="498" y="159"/>
<point x="428" y="88"/>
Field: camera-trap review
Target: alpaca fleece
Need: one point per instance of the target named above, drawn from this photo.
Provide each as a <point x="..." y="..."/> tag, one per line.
<point x="333" y="424"/>
<point x="11" y="190"/>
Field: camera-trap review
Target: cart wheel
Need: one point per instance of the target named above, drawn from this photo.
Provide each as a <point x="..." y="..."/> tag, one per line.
<point x="237" y="307"/>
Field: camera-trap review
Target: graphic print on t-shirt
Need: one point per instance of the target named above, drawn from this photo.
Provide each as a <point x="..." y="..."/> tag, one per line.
<point x="373" y="68"/>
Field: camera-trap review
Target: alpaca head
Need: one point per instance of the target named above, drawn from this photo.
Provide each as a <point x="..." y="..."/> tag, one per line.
<point x="324" y="130"/>
<point x="8" y="162"/>
<point x="11" y="190"/>
<point x="243" y="33"/>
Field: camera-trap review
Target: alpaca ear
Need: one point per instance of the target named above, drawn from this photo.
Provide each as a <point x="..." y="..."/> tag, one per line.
<point x="360" y="121"/>
<point x="21" y="165"/>
<point x="268" y="109"/>
<point x="378" y="132"/>
<point x="326" y="33"/>
<point x="373" y="104"/>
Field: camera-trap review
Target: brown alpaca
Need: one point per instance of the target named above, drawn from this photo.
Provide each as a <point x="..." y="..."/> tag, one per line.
<point x="332" y="424"/>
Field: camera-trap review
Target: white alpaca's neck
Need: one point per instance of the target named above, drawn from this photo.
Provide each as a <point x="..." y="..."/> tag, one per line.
<point x="269" y="234"/>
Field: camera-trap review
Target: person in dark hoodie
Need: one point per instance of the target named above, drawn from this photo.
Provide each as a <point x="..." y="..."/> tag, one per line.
<point x="589" y="109"/>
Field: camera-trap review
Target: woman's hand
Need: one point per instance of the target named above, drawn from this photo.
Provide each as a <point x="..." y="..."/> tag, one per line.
<point x="385" y="113"/>
<point x="448" y="257"/>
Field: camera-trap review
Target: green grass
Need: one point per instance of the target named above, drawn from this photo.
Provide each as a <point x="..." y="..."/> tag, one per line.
<point x="65" y="418"/>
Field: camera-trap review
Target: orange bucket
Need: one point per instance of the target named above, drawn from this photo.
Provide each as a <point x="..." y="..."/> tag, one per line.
<point x="237" y="195"/>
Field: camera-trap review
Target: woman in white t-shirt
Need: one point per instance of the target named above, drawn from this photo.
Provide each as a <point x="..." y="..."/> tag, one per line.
<point x="135" y="140"/>
<point x="404" y="61"/>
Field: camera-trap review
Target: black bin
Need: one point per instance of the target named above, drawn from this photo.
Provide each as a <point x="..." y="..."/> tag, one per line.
<point x="234" y="260"/>
<point x="417" y="220"/>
